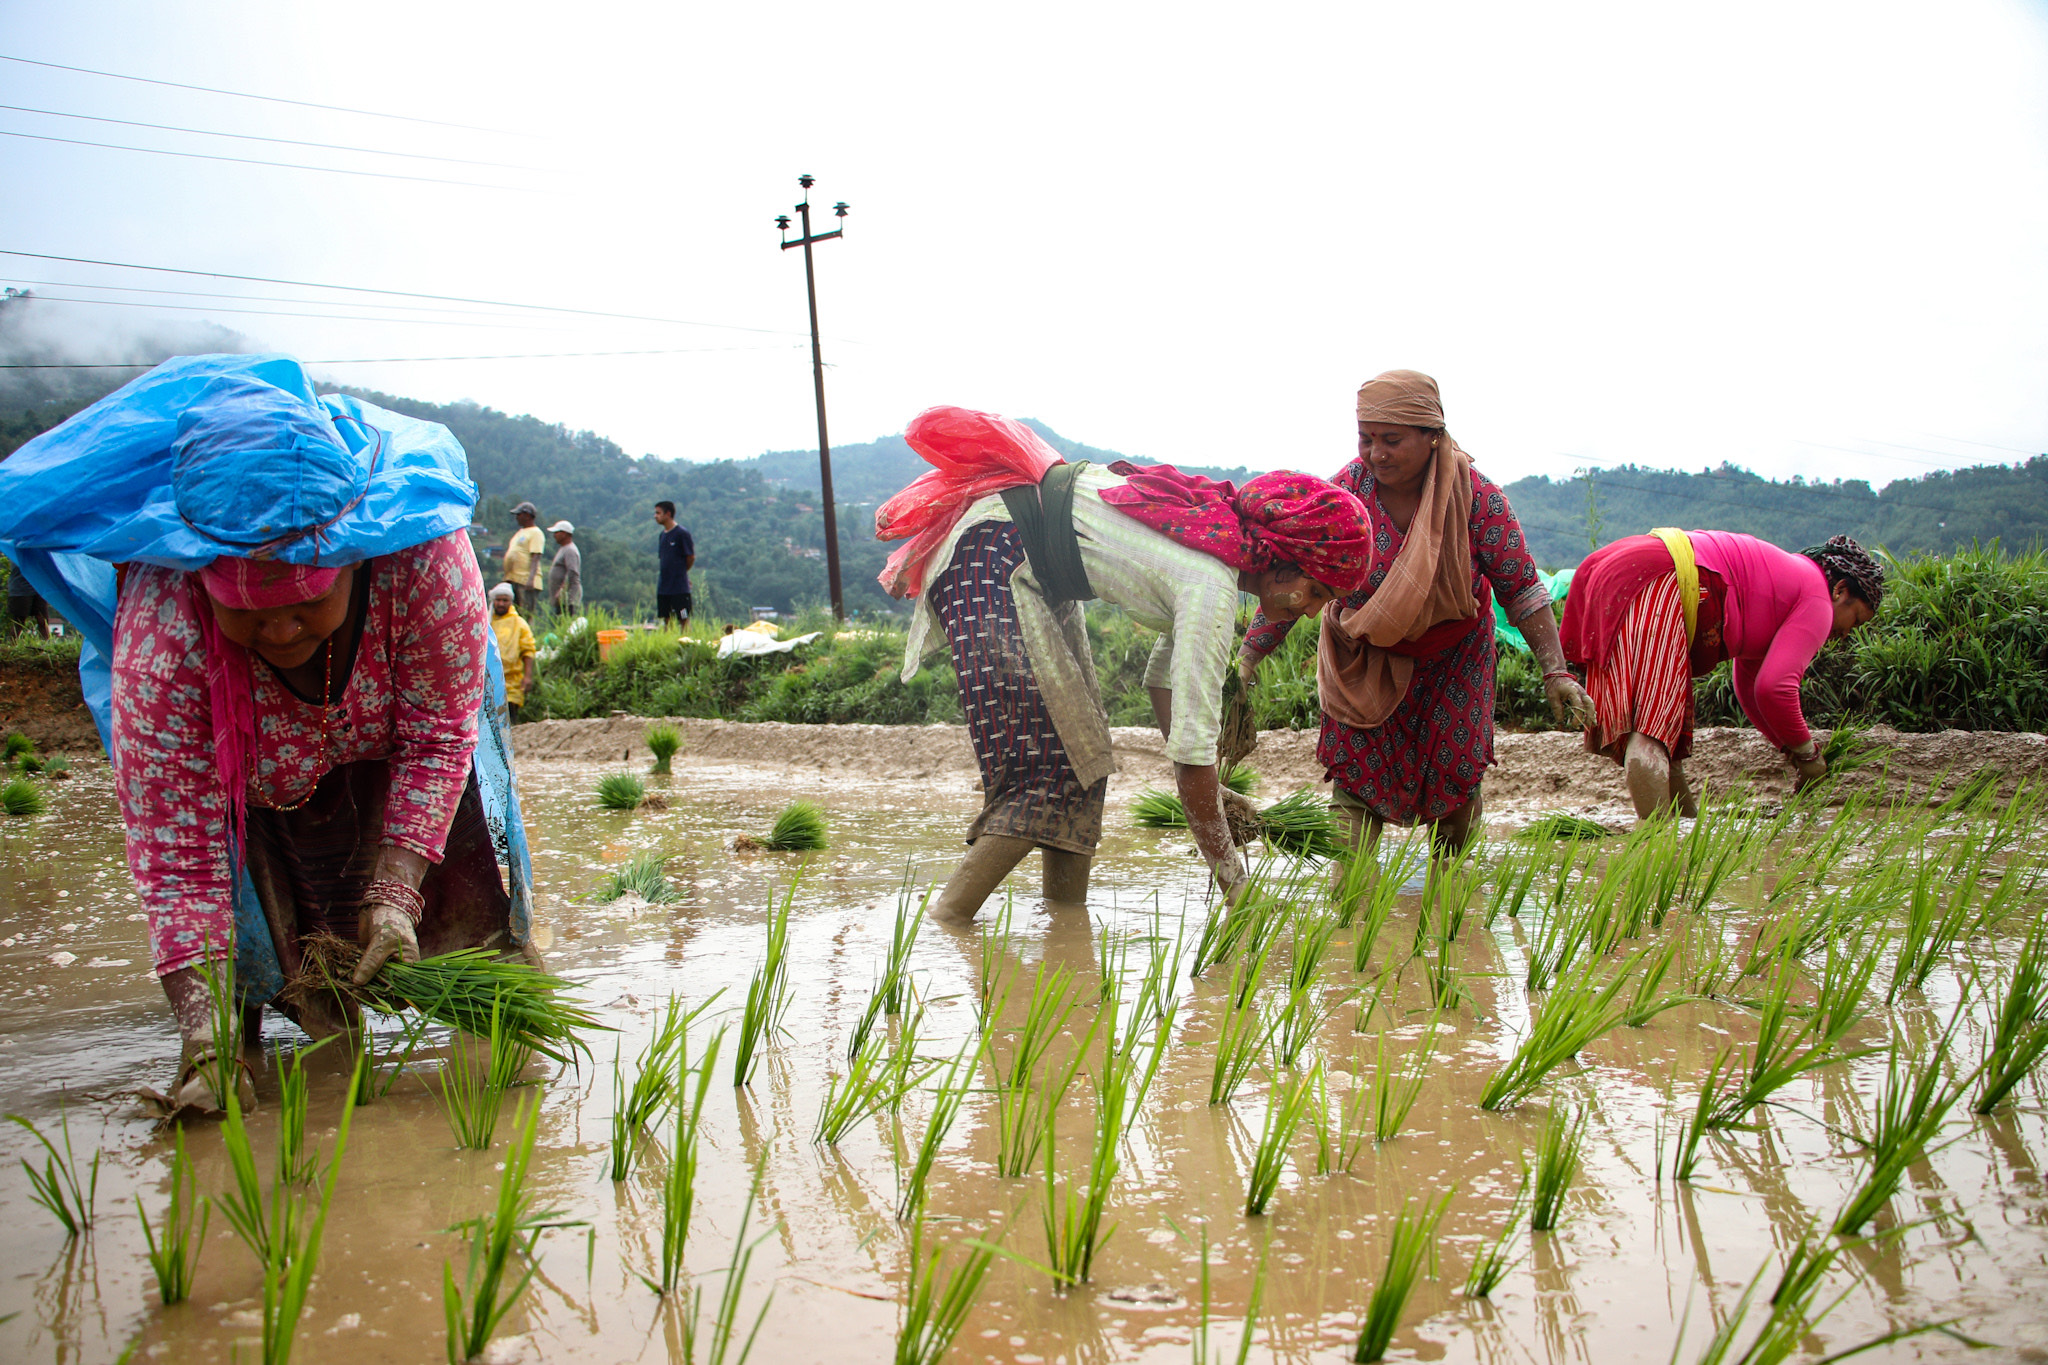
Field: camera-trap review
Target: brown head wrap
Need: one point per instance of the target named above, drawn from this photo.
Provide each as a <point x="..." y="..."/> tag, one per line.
<point x="1362" y="665"/>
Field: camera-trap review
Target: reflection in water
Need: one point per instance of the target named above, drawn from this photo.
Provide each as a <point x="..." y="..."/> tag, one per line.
<point x="1967" y="1236"/>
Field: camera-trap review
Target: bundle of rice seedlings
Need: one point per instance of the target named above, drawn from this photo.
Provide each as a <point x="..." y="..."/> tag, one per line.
<point x="1155" y="809"/>
<point x="1560" y="824"/>
<point x="1301" y="824"/>
<point x="17" y="745"/>
<point x="799" y="829"/>
<point x="461" y="989"/>
<point x="645" y="876"/>
<point x="662" y="741"/>
<point x="21" y="797"/>
<point x="1847" y="750"/>
<point x="30" y="764"/>
<point x="621" y="791"/>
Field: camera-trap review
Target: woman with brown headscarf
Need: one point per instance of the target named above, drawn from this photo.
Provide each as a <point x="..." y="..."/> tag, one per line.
<point x="1404" y="666"/>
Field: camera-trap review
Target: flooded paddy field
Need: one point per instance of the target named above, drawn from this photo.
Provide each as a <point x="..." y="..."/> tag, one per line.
<point x="1634" y="1253"/>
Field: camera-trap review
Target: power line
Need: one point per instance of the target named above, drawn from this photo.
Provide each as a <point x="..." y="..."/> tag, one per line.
<point x="246" y="298"/>
<point x="252" y="161"/>
<point x="255" y="137"/>
<point x="424" y="359"/>
<point x="394" y="293"/>
<point x="282" y="313"/>
<point x="268" y="99"/>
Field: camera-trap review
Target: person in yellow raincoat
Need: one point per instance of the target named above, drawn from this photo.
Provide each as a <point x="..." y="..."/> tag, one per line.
<point x="516" y="649"/>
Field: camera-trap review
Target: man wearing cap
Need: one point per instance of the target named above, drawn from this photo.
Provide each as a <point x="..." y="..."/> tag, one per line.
<point x="565" y="575"/>
<point x="523" y="555"/>
<point x="516" y="649"/>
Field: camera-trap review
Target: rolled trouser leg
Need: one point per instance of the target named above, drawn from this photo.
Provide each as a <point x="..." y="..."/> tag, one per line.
<point x="1351" y="876"/>
<point x="1449" y="835"/>
<point x="1066" y="876"/>
<point x="1648" y="764"/>
<point x="989" y="860"/>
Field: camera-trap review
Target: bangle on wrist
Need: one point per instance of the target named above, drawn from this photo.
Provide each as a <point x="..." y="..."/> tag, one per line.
<point x="393" y="892"/>
<point x="1550" y="673"/>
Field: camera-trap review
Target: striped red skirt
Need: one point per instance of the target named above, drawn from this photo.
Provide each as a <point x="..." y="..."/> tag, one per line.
<point x="1645" y="683"/>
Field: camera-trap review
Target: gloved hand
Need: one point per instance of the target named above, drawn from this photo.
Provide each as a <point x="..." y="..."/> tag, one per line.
<point x="1569" y="702"/>
<point x="384" y="926"/>
<point x="1810" y="766"/>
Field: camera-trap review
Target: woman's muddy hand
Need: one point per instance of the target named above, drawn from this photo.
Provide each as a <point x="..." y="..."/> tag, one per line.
<point x="384" y="929"/>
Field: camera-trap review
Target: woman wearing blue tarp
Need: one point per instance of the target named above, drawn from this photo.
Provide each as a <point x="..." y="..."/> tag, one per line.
<point x="292" y="673"/>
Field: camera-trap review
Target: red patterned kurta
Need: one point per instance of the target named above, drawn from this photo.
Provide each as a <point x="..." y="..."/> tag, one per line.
<point x="1430" y="755"/>
<point x="411" y="698"/>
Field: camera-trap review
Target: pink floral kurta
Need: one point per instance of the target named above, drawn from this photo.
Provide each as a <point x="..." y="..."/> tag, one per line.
<point x="411" y="698"/>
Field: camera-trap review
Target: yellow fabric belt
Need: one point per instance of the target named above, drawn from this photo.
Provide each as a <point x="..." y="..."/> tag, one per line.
<point x="1680" y="545"/>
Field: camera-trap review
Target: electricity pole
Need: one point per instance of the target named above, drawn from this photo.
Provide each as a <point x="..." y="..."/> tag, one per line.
<point x="818" y="379"/>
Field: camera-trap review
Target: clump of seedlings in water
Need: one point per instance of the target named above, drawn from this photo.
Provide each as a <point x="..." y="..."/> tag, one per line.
<point x="679" y="1184"/>
<point x="1241" y="1038"/>
<point x="768" y="994"/>
<point x="492" y="1283"/>
<point x="621" y="791"/>
<point x="1341" y="1128"/>
<point x="2019" y="1029"/>
<point x="1031" y="1088"/>
<point x="946" y="1101"/>
<point x="645" y="876"/>
<point x="1073" y="1221"/>
<point x="295" y="1165"/>
<point x="654" y="1082"/>
<point x="1702" y="1120"/>
<point x="1508" y="889"/>
<point x="865" y="1088"/>
<point x="1560" y="824"/>
<point x="1447" y="895"/>
<point x="799" y="829"/>
<point x="1649" y="1000"/>
<point x="1903" y="1129"/>
<point x="935" y="1306"/>
<point x="1394" y="1091"/>
<point x="174" y="1244"/>
<point x="1378" y="903"/>
<point x="1286" y="1106"/>
<point x="1408" y="1247"/>
<point x="56" y="1187"/>
<point x="1558" y="1152"/>
<point x="17" y="745"/>
<point x="474" y="1079"/>
<point x="662" y="740"/>
<point x="1492" y="1265"/>
<point x="1575" y="1013"/>
<point x="725" y="1318"/>
<point x="21" y="797"/>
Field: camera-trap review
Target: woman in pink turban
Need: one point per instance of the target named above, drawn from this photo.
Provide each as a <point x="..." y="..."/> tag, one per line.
<point x="1404" y="665"/>
<point x="1007" y="540"/>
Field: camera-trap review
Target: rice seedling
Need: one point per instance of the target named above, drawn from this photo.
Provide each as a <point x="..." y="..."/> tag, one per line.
<point x="1932" y="929"/>
<point x="1379" y="902"/>
<point x="1508" y="889"/>
<point x="294" y="1165"/>
<point x="1301" y="824"/>
<point x="1907" y="1118"/>
<point x="492" y="1284"/>
<point x="654" y="1081"/>
<point x="1717" y="848"/>
<point x="768" y="994"/>
<point x="1776" y="1059"/>
<point x="1341" y="1129"/>
<point x="1286" y="1106"/>
<point x="1073" y="1221"/>
<point x="1440" y="974"/>
<point x="1408" y="1246"/>
<point x="725" y="1318"/>
<point x="1576" y="1012"/>
<point x="1849" y="748"/>
<point x="56" y="1186"/>
<point x="864" y="1089"/>
<point x="679" y="1183"/>
<point x="1052" y="1003"/>
<point x="946" y="1100"/>
<point x="1394" y="1091"/>
<point x="1686" y="1151"/>
<point x="1024" y="1108"/>
<point x="1310" y="943"/>
<point x="645" y="876"/>
<point x="1155" y="809"/>
<point x="662" y="740"/>
<point x="1299" y="1023"/>
<point x="295" y="1250"/>
<point x="902" y="938"/>
<point x="1842" y="987"/>
<point x="22" y="797"/>
<point x="1710" y="962"/>
<point x="467" y="989"/>
<point x="2019" y="1027"/>
<point x="991" y="982"/>
<point x="175" y="1257"/>
<point x="1645" y="1003"/>
<point x="474" y="1079"/>
<point x="1242" y="1036"/>
<point x="377" y="1080"/>
<point x="1563" y="825"/>
<point x="1448" y="892"/>
<point x="621" y="791"/>
<point x="1492" y="1265"/>
<point x="799" y="829"/>
<point x="935" y="1306"/>
<point x="1566" y="931"/>
<point x="17" y="745"/>
<point x="1558" y="1153"/>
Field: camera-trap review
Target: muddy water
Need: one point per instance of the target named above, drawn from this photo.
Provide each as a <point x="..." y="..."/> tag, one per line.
<point x="1634" y="1255"/>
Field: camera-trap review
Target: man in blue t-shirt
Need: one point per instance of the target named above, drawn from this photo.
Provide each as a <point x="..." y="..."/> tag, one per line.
<point x="677" y="552"/>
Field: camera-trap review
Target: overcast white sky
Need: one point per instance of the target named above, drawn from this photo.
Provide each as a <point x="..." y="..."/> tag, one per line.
<point x="1807" y="238"/>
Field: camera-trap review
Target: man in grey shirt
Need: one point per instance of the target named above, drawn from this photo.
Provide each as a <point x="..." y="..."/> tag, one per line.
<point x="565" y="575"/>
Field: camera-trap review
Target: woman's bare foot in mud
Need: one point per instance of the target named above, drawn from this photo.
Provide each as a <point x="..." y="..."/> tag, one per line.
<point x="199" y="1089"/>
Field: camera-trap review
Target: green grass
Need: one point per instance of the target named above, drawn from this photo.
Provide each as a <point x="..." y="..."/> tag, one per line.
<point x="768" y="993"/>
<point x="1408" y="1247"/>
<point x="16" y="745"/>
<point x="1286" y="1105"/>
<point x="174" y="1245"/>
<point x="22" y="797"/>
<point x="1492" y="1264"/>
<point x="645" y="876"/>
<point x="662" y="741"/>
<point x="621" y="791"/>
<point x="1558" y="1154"/>
<point x="56" y="1187"/>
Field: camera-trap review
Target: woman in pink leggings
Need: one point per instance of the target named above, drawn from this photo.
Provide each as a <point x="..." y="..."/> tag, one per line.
<point x="1627" y="622"/>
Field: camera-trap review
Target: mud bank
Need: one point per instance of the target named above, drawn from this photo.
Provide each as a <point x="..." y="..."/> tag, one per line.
<point x="1541" y="771"/>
